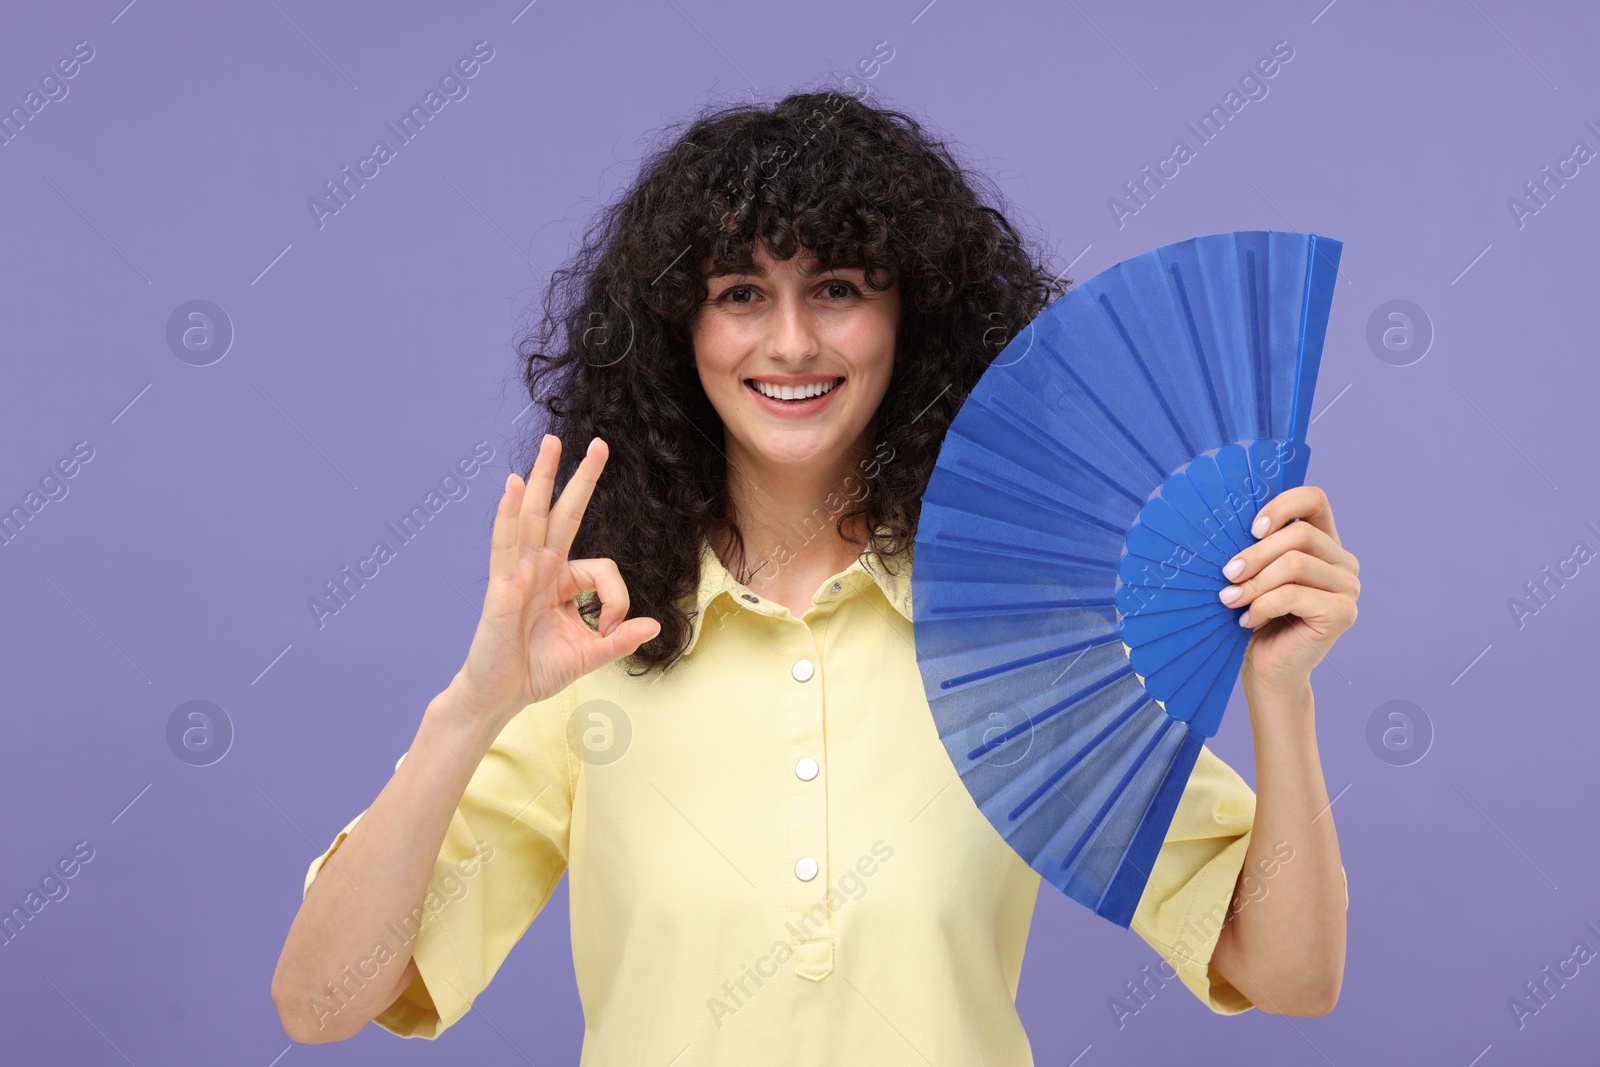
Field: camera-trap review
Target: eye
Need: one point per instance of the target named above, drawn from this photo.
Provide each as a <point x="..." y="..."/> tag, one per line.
<point x="727" y="293"/>
<point x="848" y="287"/>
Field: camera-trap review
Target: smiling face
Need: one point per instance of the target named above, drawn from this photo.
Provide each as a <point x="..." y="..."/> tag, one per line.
<point x="795" y="364"/>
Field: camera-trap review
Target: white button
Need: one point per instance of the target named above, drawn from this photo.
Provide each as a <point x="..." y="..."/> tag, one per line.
<point x="806" y="769"/>
<point x="803" y="670"/>
<point x="806" y="869"/>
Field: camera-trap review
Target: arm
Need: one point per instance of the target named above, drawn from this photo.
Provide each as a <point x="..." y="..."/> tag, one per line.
<point x="1283" y="943"/>
<point x="378" y="875"/>
<point x="530" y="645"/>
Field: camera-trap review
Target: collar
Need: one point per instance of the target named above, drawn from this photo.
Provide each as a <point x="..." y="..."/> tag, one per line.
<point x="716" y="581"/>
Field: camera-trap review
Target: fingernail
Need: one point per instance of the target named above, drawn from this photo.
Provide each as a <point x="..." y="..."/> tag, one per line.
<point x="1244" y="619"/>
<point x="1230" y="594"/>
<point x="1259" y="527"/>
<point x="1233" y="569"/>
<point x="592" y="443"/>
<point x="612" y="628"/>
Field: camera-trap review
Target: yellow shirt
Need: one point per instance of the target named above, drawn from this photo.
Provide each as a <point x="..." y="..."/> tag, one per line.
<point x="768" y="848"/>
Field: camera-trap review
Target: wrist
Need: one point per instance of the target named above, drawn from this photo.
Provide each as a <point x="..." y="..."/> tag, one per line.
<point x="1277" y="689"/>
<point x="1291" y="692"/>
<point x="1291" y="701"/>
<point x="458" y="713"/>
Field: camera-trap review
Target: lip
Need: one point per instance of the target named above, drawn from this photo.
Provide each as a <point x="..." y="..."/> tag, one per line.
<point x="796" y="409"/>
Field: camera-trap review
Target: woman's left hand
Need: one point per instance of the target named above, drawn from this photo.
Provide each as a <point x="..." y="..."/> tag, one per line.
<point x="1299" y="585"/>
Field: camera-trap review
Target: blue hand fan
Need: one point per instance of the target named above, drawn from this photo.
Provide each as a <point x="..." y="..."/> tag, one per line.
<point x="1106" y="466"/>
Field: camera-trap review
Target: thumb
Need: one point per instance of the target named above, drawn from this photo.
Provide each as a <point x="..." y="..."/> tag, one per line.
<point x="629" y="635"/>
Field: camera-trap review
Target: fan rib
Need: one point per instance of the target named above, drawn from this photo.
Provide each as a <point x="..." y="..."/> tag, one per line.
<point x="1093" y="829"/>
<point x="1262" y="379"/>
<point x="1200" y="673"/>
<point x="1150" y="380"/>
<point x="1321" y="278"/>
<point x="1038" y="554"/>
<point x="1049" y="783"/>
<point x="1160" y="549"/>
<point x="1045" y="442"/>
<point x="1034" y="720"/>
<point x="1185" y="639"/>
<point x="955" y="611"/>
<point x="1110" y="415"/>
<point x="1022" y="492"/>
<point x="1121" y="898"/>
<point x="1028" y="661"/>
<point x="1200" y="352"/>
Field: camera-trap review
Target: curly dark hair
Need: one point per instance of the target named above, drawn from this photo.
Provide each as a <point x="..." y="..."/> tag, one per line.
<point x="823" y="173"/>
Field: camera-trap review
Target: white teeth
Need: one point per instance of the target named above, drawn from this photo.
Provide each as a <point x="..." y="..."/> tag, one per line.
<point x="794" y="392"/>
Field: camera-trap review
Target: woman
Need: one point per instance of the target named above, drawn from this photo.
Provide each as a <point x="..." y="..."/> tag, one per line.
<point x="693" y="687"/>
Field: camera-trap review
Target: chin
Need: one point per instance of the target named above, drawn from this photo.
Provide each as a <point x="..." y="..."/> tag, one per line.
<point x="795" y="454"/>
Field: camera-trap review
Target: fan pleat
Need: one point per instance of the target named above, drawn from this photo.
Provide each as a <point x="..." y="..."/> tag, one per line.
<point x="1202" y="357"/>
<point x="1116" y="794"/>
<point x="1036" y="435"/>
<point x="1144" y="368"/>
<point x="1004" y="486"/>
<point x="1033" y="555"/>
<point x="1066" y="768"/>
<point x="1093" y="398"/>
<point x="1017" y="664"/>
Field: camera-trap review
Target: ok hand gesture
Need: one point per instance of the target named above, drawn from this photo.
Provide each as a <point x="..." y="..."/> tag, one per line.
<point x="531" y="642"/>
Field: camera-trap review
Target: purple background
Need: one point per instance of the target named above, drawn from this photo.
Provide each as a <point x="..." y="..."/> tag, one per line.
<point x="371" y="354"/>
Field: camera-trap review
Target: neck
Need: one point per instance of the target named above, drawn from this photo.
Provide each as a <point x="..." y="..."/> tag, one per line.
<point x="788" y="517"/>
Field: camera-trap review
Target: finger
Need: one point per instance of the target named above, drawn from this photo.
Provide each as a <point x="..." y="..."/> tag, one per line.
<point x="627" y="638"/>
<point x="1305" y="502"/>
<point x="1293" y="567"/>
<point x="536" y="500"/>
<point x="568" y="512"/>
<point x="603" y="577"/>
<point x="1323" y="611"/>
<point x="1302" y="536"/>
<point x="503" y="541"/>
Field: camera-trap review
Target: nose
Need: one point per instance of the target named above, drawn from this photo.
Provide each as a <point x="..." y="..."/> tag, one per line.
<point x="794" y="334"/>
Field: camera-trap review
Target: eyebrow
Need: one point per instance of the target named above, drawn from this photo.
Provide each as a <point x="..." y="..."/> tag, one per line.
<point x="757" y="271"/>
<point x="754" y="272"/>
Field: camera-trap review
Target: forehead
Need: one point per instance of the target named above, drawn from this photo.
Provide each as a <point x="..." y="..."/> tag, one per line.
<point x="763" y="265"/>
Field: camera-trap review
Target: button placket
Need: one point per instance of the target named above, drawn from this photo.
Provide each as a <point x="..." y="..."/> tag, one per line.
<point x="809" y="927"/>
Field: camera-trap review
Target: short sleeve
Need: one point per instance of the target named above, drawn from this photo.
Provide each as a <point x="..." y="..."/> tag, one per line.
<point x="1191" y="884"/>
<point x="504" y="852"/>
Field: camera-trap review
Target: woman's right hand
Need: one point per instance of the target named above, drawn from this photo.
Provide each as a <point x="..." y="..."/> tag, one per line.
<point x="531" y="642"/>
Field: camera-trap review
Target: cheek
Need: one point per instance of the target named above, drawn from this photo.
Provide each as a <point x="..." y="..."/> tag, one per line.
<point x="713" y="355"/>
<point x="720" y="388"/>
<point x="885" y="329"/>
<point x="879" y="367"/>
<point x="718" y="374"/>
<point x="871" y="342"/>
